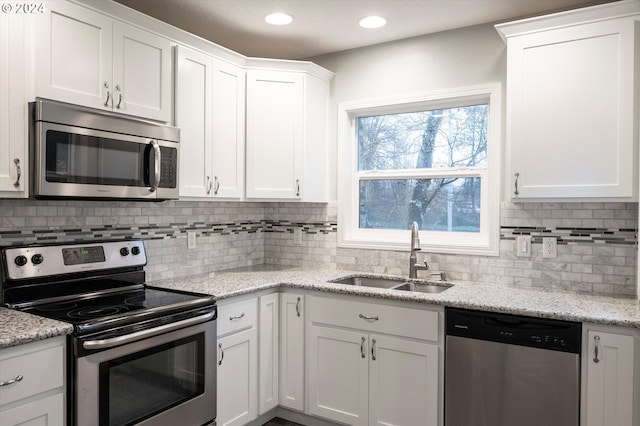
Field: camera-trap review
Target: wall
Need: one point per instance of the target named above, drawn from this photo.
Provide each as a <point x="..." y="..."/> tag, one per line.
<point x="228" y="234"/>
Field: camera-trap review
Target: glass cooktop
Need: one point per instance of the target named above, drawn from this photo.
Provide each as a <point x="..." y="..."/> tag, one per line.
<point x="123" y="304"/>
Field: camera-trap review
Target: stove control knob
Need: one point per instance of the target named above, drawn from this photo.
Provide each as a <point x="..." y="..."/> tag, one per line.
<point x="20" y="260"/>
<point x="135" y="250"/>
<point x="37" y="259"/>
<point x="124" y="251"/>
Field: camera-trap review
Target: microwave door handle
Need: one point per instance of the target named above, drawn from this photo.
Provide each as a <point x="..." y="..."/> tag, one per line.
<point x="156" y="169"/>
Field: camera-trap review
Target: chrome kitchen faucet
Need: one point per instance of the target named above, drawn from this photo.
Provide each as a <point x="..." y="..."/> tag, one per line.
<point x="414" y="267"/>
<point x="415" y="247"/>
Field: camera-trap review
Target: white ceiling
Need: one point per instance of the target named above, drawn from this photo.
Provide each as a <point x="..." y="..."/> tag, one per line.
<point x="327" y="26"/>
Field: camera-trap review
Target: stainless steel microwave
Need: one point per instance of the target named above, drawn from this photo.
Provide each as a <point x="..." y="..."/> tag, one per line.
<point x="79" y="152"/>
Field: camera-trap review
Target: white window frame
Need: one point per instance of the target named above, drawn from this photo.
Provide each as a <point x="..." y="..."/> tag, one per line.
<point x="350" y="235"/>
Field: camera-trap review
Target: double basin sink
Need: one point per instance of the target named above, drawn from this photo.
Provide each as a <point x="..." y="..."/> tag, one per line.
<point x="393" y="284"/>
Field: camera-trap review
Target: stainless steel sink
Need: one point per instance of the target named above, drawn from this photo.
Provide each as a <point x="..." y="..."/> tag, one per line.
<point x="393" y="284"/>
<point x="380" y="282"/>
<point x="423" y="287"/>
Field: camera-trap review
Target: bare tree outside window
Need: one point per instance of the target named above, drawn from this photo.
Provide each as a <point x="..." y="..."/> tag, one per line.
<point x="441" y="140"/>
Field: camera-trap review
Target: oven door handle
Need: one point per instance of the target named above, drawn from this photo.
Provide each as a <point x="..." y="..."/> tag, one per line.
<point x="144" y="334"/>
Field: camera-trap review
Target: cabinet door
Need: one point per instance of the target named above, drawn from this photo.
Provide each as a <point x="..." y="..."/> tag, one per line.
<point x="338" y="375"/>
<point x="403" y="382"/>
<point x="275" y="134"/>
<point x="194" y="91"/>
<point x="228" y="130"/>
<point x="74" y="55"/>
<point x="141" y="73"/>
<point x="609" y="381"/>
<point x="237" y="378"/>
<point x="269" y="350"/>
<point x="571" y="105"/>
<point x="48" y="411"/>
<point x="291" y="384"/>
<point x="13" y="106"/>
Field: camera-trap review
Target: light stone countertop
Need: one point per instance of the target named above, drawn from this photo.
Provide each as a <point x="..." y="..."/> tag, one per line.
<point x="619" y="311"/>
<point x="18" y="328"/>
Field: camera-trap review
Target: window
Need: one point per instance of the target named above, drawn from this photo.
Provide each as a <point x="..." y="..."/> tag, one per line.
<point x="433" y="159"/>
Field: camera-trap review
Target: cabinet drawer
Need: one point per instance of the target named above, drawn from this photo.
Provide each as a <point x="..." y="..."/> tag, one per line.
<point x="237" y="316"/>
<point x="41" y="370"/>
<point x="396" y="320"/>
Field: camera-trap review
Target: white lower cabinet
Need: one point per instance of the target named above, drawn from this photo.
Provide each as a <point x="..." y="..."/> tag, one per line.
<point x="269" y="352"/>
<point x="237" y="363"/>
<point x="292" y="320"/>
<point x="373" y="364"/>
<point x="33" y="380"/>
<point x="610" y="376"/>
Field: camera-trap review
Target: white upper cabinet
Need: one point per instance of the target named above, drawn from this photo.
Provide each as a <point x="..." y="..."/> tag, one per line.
<point x="13" y="106"/>
<point x="572" y="115"/>
<point x="287" y="135"/>
<point x="275" y="103"/>
<point x="86" y="58"/>
<point x="210" y="113"/>
<point x="228" y="130"/>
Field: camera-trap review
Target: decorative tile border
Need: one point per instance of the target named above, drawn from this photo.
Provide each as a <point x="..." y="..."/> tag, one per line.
<point x="566" y="235"/>
<point x="158" y="232"/>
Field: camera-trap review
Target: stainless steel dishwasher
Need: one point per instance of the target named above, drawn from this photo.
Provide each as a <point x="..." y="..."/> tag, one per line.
<point x="507" y="370"/>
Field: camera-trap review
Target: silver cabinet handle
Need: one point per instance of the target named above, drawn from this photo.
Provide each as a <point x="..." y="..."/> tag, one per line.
<point x="596" y="348"/>
<point x="362" y="347"/>
<point x="106" y="86"/>
<point x="298" y="307"/>
<point x="120" y="98"/>
<point x="156" y="170"/>
<point x="209" y="185"/>
<point x="517" y="192"/>
<point x="236" y="317"/>
<point x="366" y="317"/>
<point x="221" y="357"/>
<point x="216" y="187"/>
<point x="16" y="161"/>
<point x="373" y="349"/>
<point x="297" y="187"/>
<point x="12" y="381"/>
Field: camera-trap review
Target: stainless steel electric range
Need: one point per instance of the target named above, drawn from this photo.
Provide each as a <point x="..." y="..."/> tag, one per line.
<point x="138" y="354"/>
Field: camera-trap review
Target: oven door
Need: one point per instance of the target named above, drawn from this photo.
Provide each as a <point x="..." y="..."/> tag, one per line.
<point x="73" y="161"/>
<point x="167" y="379"/>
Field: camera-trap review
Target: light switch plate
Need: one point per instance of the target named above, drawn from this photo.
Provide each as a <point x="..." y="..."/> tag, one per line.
<point x="191" y="240"/>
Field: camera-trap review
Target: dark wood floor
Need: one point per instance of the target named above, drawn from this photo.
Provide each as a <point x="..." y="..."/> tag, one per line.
<point x="280" y="422"/>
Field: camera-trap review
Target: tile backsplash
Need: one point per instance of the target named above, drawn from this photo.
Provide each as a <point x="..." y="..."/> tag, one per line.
<point x="596" y="241"/>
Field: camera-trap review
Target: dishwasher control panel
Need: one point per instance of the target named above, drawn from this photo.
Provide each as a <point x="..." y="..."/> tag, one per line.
<point x="541" y="333"/>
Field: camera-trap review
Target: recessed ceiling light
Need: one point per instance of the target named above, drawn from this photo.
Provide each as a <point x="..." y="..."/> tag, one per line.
<point x="372" y="22"/>
<point x="278" y="18"/>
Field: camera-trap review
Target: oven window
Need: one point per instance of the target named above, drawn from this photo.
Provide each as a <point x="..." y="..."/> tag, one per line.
<point x="74" y="158"/>
<point x="140" y="385"/>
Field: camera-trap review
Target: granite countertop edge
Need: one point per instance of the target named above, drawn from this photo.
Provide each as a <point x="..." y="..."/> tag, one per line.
<point x="537" y="302"/>
<point x="17" y="328"/>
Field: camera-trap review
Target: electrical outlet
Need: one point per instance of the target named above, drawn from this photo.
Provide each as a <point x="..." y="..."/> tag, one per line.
<point x="191" y="240"/>
<point x="523" y="246"/>
<point x="549" y="247"/>
<point x="297" y="236"/>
